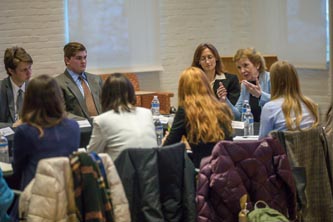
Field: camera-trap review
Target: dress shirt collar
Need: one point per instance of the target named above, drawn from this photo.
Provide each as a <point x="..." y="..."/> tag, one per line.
<point x="217" y="77"/>
<point x="75" y="76"/>
<point x="15" y="87"/>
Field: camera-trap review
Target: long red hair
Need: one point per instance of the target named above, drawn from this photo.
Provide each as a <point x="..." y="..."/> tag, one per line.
<point x="208" y="120"/>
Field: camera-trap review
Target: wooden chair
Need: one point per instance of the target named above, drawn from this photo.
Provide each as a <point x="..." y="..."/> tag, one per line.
<point x="230" y="67"/>
<point x="144" y="98"/>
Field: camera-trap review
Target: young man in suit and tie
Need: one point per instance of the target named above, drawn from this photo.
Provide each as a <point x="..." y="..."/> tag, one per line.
<point x="18" y="65"/>
<point x="81" y="90"/>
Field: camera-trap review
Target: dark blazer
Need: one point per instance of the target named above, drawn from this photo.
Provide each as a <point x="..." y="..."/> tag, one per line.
<point x="159" y="183"/>
<point x="7" y="106"/>
<point x="179" y="129"/>
<point x="74" y="101"/>
<point x="232" y="85"/>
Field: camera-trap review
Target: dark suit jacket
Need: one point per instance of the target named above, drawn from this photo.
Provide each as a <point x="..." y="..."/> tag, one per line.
<point x="74" y="101"/>
<point x="231" y="84"/>
<point x="7" y="106"/>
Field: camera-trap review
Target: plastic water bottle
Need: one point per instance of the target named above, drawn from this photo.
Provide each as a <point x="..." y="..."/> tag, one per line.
<point x="248" y="123"/>
<point x="155" y="106"/>
<point x="158" y="131"/>
<point x="245" y="106"/>
<point x="4" y="153"/>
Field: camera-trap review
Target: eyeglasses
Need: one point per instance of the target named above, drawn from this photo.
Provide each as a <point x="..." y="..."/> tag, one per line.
<point x="209" y="58"/>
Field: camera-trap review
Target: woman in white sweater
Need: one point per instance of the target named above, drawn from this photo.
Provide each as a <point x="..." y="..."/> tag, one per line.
<point x="121" y="125"/>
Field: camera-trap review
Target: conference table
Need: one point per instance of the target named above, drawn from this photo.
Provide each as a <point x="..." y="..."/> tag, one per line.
<point x="86" y="130"/>
<point x="239" y="131"/>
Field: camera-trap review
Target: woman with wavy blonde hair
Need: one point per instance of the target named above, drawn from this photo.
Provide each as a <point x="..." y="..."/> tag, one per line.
<point x="255" y="87"/>
<point x="200" y="117"/>
<point x="288" y="109"/>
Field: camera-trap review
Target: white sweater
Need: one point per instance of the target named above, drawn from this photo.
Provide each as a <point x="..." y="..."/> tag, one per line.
<point x="114" y="132"/>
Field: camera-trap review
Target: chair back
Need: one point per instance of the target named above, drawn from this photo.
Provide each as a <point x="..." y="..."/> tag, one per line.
<point x="159" y="183"/>
<point x="51" y="195"/>
<point x="309" y="152"/>
<point x="258" y="169"/>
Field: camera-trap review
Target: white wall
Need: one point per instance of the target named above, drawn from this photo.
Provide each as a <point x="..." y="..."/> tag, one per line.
<point x="38" y="26"/>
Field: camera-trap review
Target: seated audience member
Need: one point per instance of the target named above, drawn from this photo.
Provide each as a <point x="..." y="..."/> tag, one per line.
<point x="255" y="87"/>
<point x="207" y="58"/>
<point x="81" y="90"/>
<point x="45" y="131"/>
<point x="12" y="89"/>
<point x="200" y="117"/>
<point x="288" y="109"/>
<point x="121" y="125"/>
<point x="6" y="198"/>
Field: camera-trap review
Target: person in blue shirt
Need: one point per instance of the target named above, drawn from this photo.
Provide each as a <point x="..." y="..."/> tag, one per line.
<point x="81" y="90"/>
<point x="255" y="87"/>
<point x="288" y="109"/>
<point x="6" y="198"/>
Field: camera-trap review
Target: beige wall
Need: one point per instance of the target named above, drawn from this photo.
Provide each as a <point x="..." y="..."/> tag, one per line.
<point x="38" y="26"/>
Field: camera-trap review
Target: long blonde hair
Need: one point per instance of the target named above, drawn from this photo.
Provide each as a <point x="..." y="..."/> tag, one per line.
<point x="207" y="119"/>
<point x="285" y="84"/>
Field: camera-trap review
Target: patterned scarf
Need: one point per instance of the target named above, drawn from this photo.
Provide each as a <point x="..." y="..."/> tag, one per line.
<point x="92" y="190"/>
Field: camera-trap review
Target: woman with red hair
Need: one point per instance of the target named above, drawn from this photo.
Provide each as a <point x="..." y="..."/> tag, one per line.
<point x="200" y="117"/>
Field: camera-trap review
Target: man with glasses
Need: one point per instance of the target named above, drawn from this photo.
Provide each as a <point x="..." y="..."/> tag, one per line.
<point x="80" y="89"/>
<point x="18" y="67"/>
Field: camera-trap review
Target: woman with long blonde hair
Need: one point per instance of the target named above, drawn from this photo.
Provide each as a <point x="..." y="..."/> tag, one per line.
<point x="288" y="109"/>
<point x="200" y="117"/>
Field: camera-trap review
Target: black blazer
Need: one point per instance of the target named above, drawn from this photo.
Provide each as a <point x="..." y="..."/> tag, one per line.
<point x="179" y="129"/>
<point x="231" y="83"/>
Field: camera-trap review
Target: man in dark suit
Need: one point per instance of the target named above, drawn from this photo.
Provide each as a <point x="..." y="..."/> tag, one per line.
<point x="18" y="67"/>
<point x="81" y="90"/>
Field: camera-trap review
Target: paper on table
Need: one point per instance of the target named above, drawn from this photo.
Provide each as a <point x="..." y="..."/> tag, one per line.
<point x="162" y="119"/>
<point x="6" y="131"/>
<point x="6" y="167"/>
<point x="83" y="123"/>
<point x="241" y="138"/>
<point x="237" y="125"/>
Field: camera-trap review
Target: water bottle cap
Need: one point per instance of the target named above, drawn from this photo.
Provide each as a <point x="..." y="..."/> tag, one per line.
<point x="155" y="97"/>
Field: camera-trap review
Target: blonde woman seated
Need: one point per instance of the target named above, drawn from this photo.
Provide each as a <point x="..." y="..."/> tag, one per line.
<point x="288" y="109"/>
<point x="255" y="88"/>
<point x="121" y="125"/>
<point x="200" y="117"/>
